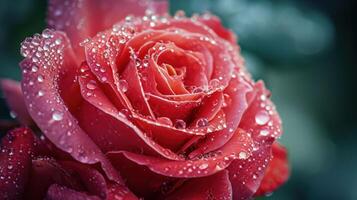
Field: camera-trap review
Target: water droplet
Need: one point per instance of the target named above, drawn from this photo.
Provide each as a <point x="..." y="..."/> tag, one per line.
<point x="13" y="114"/>
<point x="202" y="122"/>
<point x="10" y="167"/>
<point x="214" y="83"/>
<point x="58" y="41"/>
<point x="262" y="117"/>
<point x="242" y="155"/>
<point x="91" y="85"/>
<point x="123" y="85"/>
<point x="197" y="90"/>
<point x="203" y="166"/>
<point x="165" y="120"/>
<point x="57" y="116"/>
<point x="40" y="78"/>
<point x="34" y="68"/>
<point x="180" y="124"/>
<point x="263" y="97"/>
<point x="40" y="93"/>
<point x="264" y="132"/>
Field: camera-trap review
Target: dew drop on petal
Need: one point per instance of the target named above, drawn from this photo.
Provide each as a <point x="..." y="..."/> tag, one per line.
<point x="242" y="155"/>
<point x="203" y="166"/>
<point x="40" y="93"/>
<point x="165" y="121"/>
<point x="202" y="122"/>
<point x="13" y="114"/>
<point x="214" y="83"/>
<point x="123" y="85"/>
<point x="34" y="68"/>
<point x="58" y="41"/>
<point x="264" y="132"/>
<point x="180" y="124"/>
<point x="262" y="117"/>
<point x="91" y="85"/>
<point x="40" y="78"/>
<point x="57" y="116"/>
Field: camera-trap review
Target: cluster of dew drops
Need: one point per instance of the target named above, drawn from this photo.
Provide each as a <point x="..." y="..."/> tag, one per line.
<point x="43" y="50"/>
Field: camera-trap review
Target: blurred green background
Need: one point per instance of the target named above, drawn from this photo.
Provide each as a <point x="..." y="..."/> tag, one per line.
<point x="305" y="50"/>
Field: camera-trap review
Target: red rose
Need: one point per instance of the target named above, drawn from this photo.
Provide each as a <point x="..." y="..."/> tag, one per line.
<point x="151" y="106"/>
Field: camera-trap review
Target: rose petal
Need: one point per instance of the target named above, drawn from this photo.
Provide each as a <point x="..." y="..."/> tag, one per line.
<point x="210" y="106"/>
<point x="116" y="192"/>
<point x="215" y="24"/>
<point x="277" y="171"/>
<point x="15" y="162"/>
<point x="15" y="100"/>
<point x="239" y="147"/>
<point x="135" y="92"/>
<point x="246" y="175"/>
<point x="174" y="110"/>
<point x="216" y="186"/>
<point x="44" y="173"/>
<point x="83" y="19"/>
<point x="261" y="118"/>
<point x="57" y="192"/>
<point x="139" y="179"/>
<point x="93" y="181"/>
<point x="131" y="136"/>
<point x="237" y="92"/>
<point x="46" y="105"/>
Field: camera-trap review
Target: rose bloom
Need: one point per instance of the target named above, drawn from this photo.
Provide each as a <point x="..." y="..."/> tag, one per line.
<point x="128" y="102"/>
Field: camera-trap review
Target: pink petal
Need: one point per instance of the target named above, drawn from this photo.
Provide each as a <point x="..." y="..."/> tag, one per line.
<point x="139" y="179"/>
<point x="236" y="94"/>
<point x="135" y="92"/>
<point x="15" y="162"/>
<point x="57" y="192"/>
<point x="42" y="72"/>
<point x="15" y="100"/>
<point x="163" y="107"/>
<point x="94" y="182"/>
<point x="124" y="135"/>
<point x="215" y="24"/>
<point x="239" y="147"/>
<point x="261" y="118"/>
<point x="44" y="173"/>
<point x="216" y="186"/>
<point x="246" y="175"/>
<point x="116" y="192"/>
<point x="277" y="172"/>
<point x="83" y="19"/>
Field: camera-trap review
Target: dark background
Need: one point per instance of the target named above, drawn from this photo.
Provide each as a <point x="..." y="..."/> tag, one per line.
<point x="305" y="50"/>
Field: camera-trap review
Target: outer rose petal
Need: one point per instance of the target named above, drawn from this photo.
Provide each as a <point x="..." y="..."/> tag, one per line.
<point x="15" y="100"/>
<point x="15" y="163"/>
<point x="238" y="148"/>
<point x="42" y="76"/>
<point x="216" y="186"/>
<point x="246" y="175"/>
<point x="57" y="192"/>
<point x="143" y="182"/>
<point x="83" y="19"/>
<point x="46" y="172"/>
<point x="116" y="192"/>
<point x="215" y="24"/>
<point x="277" y="172"/>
